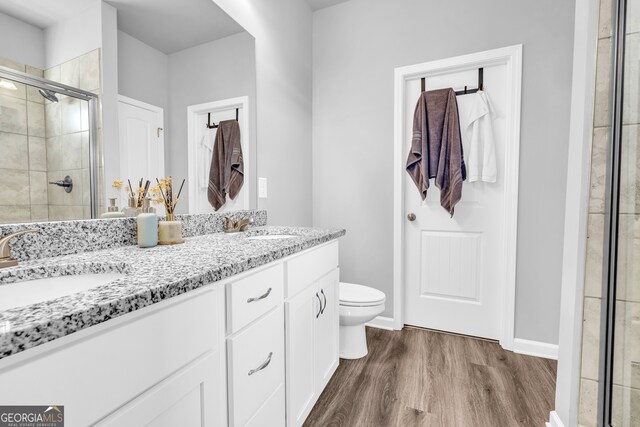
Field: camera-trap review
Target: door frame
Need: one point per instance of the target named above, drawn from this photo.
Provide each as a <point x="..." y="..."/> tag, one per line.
<point x="241" y="102"/>
<point x="159" y="111"/>
<point x="511" y="57"/>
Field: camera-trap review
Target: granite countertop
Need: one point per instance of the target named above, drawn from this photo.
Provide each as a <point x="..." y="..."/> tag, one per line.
<point x="151" y="275"/>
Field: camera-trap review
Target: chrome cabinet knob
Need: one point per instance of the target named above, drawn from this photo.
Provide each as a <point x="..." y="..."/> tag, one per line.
<point x="411" y="217"/>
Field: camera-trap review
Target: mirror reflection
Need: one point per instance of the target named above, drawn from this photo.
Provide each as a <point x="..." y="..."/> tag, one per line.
<point x="166" y="74"/>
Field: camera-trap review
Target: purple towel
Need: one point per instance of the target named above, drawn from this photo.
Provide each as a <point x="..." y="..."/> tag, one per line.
<point x="436" y="147"/>
<point x="226" y="174"/>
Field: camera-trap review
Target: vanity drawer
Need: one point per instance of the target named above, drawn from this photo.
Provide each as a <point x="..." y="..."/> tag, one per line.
<point x="272" y="412"/>
<point x="309" y="266"/>
<point x="253" y="296"/>
<point x="256" y="367"/>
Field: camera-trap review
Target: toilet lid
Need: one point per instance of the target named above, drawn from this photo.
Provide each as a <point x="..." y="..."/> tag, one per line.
<point x="358" y="295"/>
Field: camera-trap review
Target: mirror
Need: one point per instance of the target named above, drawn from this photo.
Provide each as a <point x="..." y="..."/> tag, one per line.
<point x="161" y="76"/>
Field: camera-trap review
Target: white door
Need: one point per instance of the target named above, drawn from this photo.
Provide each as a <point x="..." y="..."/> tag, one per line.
<point x="327" y="327"/>
<point x="200" y="145"/>
<point x="141" y="141"/>
<point x="453" y="271"/>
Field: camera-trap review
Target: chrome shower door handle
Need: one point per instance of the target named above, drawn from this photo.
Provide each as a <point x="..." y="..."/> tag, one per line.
<point x="263" y="296"/>
<point x="262" y="366"/>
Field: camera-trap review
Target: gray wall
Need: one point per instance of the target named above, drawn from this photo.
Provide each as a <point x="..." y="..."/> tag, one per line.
<point x="21" y="42"/>
<point x="225" y="68"/>
<point x="76" y="35"/>
<point x="143" y="72"/>
<point x="356" y="46"/>
<point x="282" y="29"/>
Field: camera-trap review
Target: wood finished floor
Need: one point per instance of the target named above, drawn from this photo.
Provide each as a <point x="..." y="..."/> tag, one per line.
<point x="417" y="377"/>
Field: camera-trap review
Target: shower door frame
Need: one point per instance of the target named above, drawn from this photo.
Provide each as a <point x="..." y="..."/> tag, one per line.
<point x="611" y="226"/>
<point x="93" y="99"/>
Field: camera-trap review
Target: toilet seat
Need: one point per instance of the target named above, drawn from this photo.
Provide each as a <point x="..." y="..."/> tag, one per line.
<point x="352" y="295"/>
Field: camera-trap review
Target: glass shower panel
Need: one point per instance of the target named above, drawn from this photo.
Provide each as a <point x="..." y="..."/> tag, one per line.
<point x="68" y="158"/>
<point x="625" y="393"/>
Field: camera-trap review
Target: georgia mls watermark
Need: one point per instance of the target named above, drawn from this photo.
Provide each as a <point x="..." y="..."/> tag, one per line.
<point x="32" y="416"/>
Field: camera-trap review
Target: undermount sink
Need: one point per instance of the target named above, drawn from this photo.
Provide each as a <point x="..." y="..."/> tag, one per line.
<point x="271" y="237"/>
<point x="30" y="292"/>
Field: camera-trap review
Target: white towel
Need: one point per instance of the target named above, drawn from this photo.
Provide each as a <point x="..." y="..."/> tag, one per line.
<point x="476" y="123"/>
<point x="206" y="152"/>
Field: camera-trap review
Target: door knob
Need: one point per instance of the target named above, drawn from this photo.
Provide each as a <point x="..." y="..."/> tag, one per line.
<point x="411" y="217"/>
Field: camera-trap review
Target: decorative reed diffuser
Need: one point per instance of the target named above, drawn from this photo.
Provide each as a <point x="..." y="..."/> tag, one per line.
<point x="170" y="230"/>
<point x="136" y="198"/>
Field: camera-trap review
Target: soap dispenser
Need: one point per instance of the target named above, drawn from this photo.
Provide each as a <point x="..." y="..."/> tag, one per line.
<point x="131" y="210"/>
<point x="147" y="227"/>
<point x="112" y="210"/>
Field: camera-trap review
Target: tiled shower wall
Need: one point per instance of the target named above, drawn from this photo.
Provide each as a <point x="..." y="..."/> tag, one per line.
<point x="626" y="375"/>
<point x="23" y="156"/>
<point x="43" y="141"/>
<point x="67" y="136"/>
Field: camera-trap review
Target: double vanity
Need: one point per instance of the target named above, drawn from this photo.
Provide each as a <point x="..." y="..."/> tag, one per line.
<point x="225" y="329"/>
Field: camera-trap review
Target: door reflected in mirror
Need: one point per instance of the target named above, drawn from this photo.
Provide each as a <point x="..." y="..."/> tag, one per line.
<point x="152" y="88"/>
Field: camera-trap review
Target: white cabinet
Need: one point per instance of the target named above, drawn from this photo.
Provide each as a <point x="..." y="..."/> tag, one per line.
<point x="301" y="312"/>
<point x="327" y="326"/>
<point x="165" y="360"/>
<point x="255" y="348"/>
<point x="312" y="327"/>
<point x="256" y="367"/>
<point x="187" y="398"/>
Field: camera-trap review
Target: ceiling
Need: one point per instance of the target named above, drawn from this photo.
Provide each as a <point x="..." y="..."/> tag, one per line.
<point x="321" y="4"/>
<point x="41" y="13"/>
<point x="170" y="26"/>
<point x="166" y="25"/>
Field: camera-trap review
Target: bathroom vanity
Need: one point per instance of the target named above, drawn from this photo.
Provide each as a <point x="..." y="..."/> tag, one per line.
<point x="235" y="330"/>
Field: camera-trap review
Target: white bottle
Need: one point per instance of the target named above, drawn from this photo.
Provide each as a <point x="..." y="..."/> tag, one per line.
<point x="112" y="210"/>
<point x="147" y="227"/>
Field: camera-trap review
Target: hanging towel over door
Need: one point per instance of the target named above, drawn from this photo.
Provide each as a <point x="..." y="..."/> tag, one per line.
<point x="205" y="156"/>
<point x="226" y="174"/>
<point x="476" y="119"/>
<point x="436" y="147"/>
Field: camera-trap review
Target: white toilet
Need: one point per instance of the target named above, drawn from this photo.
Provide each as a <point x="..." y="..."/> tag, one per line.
<point x="358" y="305"/>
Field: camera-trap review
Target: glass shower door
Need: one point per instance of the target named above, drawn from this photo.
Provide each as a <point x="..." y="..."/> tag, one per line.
<point x="622" y="369"/>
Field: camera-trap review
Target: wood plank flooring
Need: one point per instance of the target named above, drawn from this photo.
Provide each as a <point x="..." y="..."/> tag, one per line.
<point x="417" y="377"/>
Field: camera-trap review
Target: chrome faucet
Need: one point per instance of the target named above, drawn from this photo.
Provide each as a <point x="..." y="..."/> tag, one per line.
<point x="241" y="225"/>
<point x="5" y="251"/>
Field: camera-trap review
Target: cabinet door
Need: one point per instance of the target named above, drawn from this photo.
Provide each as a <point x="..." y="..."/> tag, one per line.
<point x="188" y="398"/>
<point x="327" y="330"/>
<point x="301" y="394"/>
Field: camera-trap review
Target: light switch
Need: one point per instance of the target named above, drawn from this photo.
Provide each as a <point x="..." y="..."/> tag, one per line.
<point x="262" y="188"/>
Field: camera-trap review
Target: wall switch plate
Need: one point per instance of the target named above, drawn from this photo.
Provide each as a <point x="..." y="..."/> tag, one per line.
<point x="262" y="188"/>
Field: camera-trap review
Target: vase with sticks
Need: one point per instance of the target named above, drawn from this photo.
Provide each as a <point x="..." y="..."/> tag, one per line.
<point x="170" y="230"/>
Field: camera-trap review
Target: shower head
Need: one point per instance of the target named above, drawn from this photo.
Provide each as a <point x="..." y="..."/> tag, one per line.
<point x="48" y="94"/>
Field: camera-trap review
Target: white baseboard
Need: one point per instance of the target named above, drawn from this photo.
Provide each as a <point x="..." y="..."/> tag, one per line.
<point x="535" y="348"/>
<point x="554" y="420"/>
<point x="382" y="322"/>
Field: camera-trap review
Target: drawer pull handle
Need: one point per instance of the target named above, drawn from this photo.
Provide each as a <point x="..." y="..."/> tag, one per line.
<point x="325" y="301"/>
<point x="264" y="365"/>
<point x="263" y="296"/>
<point x="319" y="302"/>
